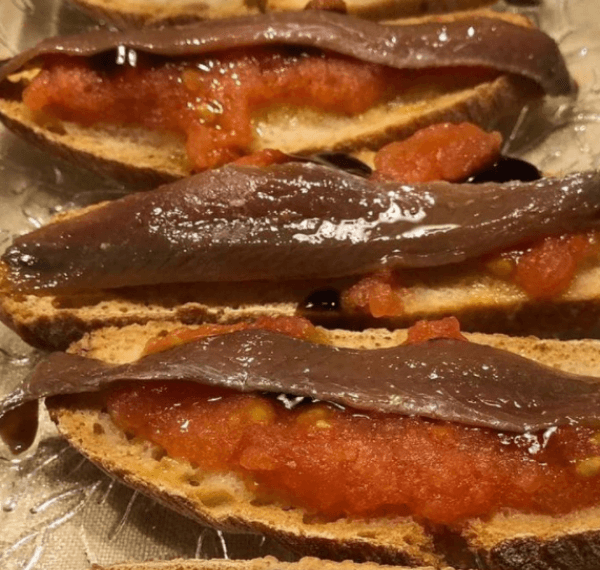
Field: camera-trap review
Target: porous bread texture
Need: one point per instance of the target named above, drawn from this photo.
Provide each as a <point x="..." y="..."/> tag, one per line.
<point x="481" y="302"/>
<point x="509" y="540"/>
<point x="140" y="156"/>
<point x="514" y="541"/>
<point x="267" y="563"/>
<point x="133" y="13"/>
<point x="150" y="12"/>
<point x="131" y="154"/>
<point x="119" y="345"/>
<point x="385" y="9"/>
<point x="224" y="502"/>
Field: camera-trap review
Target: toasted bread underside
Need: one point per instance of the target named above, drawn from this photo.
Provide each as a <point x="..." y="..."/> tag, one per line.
<point x="507" y="541"/>
<point x="143" y="12"/>
<point x="140" y="156"/>
<point x="267" y="563"/>
<point x="479" y="300"/>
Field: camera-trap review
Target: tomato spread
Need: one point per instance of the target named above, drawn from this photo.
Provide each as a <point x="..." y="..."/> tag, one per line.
<point x="379" y="295"/>
<point x="444" y="151"/>
<point x="212" y="99"/>
<point x="336" y="462"/>
<point x="421" y="331"/>
<point x="545" y="269"/>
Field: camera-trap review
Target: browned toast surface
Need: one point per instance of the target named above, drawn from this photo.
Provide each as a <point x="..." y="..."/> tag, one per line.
<point x="150" y="12"/>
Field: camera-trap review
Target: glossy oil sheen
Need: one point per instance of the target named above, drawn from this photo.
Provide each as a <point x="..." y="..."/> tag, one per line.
<point x="444" y="379"/>
<point x="477" y="42"/>
<point x="294" y="221"/>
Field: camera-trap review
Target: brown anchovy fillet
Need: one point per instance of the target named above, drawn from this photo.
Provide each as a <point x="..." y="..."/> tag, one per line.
<point x="293" y="221"/>
<point x="480" y="42"/>
<point x="445" y="379"/>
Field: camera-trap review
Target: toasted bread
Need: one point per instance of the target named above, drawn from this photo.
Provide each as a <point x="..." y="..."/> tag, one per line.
<point x="481" y="302"/>
<point x="507" y="540"/>
<point x="138" y="155"/>
<point x="268" y="563"/>
<point x="152" y="12"/>
<point x="385" y="9"/>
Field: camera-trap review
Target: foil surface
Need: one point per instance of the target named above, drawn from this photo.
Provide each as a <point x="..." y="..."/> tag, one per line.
<point x="57" y="510"/>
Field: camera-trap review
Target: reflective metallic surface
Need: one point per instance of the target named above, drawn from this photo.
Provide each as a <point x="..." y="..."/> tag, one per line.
<point x="56" y="509"/>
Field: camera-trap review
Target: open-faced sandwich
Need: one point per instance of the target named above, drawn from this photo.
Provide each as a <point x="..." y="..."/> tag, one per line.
<point x="242" y="241"/>
<point x="418" y="448"/>
<point x="158" y="104"/>
<point x="152" y="12"/>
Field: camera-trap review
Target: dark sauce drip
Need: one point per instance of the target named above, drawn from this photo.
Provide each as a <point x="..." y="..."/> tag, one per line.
<point x="524" y="2"/>
<point x="18" y="427"/>
<point x="507" y="169"/>
<point x="322" y="300"/>
<point x="113" y="62"/>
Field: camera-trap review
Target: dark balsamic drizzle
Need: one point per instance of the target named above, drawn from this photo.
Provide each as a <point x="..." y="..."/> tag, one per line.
<point x="506" y="169"/>
<point x="322" y="300"/>
<point x="19" y="426"/>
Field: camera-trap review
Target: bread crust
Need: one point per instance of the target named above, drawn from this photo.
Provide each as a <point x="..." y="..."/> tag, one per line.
<point x="508" y="540"/>
<point x="480" y="302"/>
<point x="148" y="12"/>
<point x="571" y="552"/>
<point x="124" y="14"/>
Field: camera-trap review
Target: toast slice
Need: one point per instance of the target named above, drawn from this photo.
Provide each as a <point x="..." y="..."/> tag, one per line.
<point x="386" y="9"/>
<point x="481" y="302"/>
<point x="140" y="156"/>
<point x="508" y="540"/>
<point x="152" y="12"/>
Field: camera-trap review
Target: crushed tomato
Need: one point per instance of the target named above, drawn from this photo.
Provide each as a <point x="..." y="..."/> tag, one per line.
<point x="444" y="151"/>
<point x="547" y="268"/>
<point x="422" y="331"/>
<point x="210" y="100"/>
<point x="379" y="295"/>
<point x="336" y="462"/>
